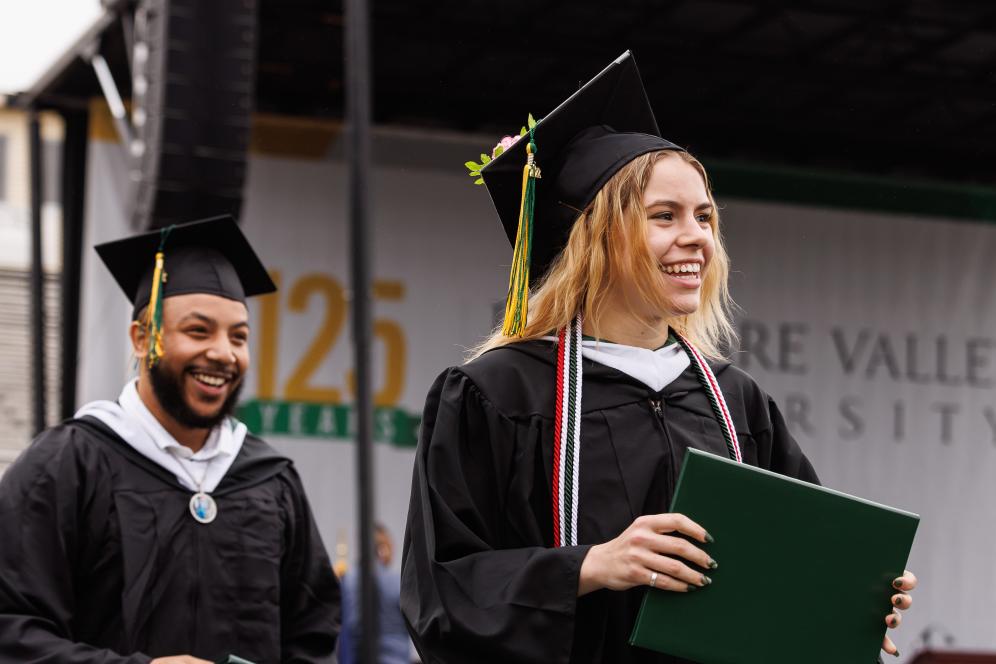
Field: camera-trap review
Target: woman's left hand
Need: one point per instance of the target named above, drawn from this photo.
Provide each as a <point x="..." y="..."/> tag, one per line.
<point x="901" y="601"/>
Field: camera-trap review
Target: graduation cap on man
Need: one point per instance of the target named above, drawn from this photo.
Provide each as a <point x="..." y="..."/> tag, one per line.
<point x="542" y="184"/>
<point x="205" y="256"/>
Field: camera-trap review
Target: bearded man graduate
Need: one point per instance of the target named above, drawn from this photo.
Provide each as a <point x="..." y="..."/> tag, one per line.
<point x="155" y="528"/>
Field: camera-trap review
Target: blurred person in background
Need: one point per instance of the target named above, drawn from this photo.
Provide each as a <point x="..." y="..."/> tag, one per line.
<point x="155" y="527"/>
<point x="394" y="645"/>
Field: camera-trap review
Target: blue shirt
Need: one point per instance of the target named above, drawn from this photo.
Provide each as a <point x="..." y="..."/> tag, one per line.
<point x="394" y="644"/>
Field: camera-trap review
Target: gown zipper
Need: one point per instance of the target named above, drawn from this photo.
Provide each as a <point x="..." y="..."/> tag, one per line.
<point x="658" y="407"/>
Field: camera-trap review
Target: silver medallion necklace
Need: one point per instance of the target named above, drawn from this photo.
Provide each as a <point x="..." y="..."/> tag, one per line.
<point x="202" y="505"/>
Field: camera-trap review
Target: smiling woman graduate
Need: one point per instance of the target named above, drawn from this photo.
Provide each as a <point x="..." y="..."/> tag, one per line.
<point x="155" y="526"/>
<point x="546" y="464"/>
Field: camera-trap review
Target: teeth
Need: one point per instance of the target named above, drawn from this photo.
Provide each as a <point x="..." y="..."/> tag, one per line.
<point x="682" y="268"/>
<point x="214" y="381"/>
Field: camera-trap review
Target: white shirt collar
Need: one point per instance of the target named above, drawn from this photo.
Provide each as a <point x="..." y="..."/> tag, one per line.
<point x="654" y="368"/>
<point x="215" y="444"/>
<point x="135" y="424"/>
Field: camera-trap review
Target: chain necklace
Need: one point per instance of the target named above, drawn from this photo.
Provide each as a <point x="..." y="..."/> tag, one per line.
<point x="202" y="505"/>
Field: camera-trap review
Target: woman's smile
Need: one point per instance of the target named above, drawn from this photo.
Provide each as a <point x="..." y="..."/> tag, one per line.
<point x="686" y="274"/>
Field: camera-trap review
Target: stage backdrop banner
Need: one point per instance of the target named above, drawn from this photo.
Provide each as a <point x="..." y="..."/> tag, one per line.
<point x="875" y="334"/>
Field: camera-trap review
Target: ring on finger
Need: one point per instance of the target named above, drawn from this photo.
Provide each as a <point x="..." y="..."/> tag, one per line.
<point x="653" y="579"/>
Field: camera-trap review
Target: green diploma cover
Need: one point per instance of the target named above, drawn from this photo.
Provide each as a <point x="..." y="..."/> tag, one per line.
<point x="804" y="572"/>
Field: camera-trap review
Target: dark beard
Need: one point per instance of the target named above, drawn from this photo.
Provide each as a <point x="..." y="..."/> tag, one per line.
<point x="168" y="388"/>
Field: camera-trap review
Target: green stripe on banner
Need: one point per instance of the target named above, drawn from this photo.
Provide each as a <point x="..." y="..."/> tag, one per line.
<point x="852" y="191"/>
<point x="332" y="421"/>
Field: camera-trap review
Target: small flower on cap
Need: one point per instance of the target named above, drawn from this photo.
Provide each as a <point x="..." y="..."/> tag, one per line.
<point x="504" y="144"/>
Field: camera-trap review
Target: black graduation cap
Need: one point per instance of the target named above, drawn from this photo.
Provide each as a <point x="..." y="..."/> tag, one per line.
<point x="206" y="256"/>
<point x="579" y="146"/>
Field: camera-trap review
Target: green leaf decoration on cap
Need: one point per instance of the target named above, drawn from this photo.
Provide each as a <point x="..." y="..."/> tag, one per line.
<point x="474" y="169"/>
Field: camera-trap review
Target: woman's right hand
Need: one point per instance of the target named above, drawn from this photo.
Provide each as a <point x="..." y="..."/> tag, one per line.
<point x="645" y="548"/>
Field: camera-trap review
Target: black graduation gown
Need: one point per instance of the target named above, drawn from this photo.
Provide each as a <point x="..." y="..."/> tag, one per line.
<point x="481" y="581"/>
<point x="101" y="561"/>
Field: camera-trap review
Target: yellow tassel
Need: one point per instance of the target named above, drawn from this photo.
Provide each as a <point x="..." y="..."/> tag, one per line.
<point x="153" y="315"/>
<point x="517" y="302"/>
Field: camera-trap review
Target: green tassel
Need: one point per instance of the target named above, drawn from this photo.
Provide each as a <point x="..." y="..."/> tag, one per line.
<point x="517" y="302"/>
<point x="154" y="313"/>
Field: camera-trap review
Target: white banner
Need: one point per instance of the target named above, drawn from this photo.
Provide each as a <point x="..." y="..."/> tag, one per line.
<point x="875" y="333"/>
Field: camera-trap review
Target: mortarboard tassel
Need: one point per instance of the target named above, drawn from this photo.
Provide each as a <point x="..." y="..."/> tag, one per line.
<point x="154" y="312"/>
<point x="516" y="306"/>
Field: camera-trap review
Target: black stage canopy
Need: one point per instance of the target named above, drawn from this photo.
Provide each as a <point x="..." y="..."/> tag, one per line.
<point x="892" y="88"/>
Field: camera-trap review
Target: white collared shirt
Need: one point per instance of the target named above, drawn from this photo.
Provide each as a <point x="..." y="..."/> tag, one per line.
<point x="654" y="368"/>
<point x="135" y="424"/>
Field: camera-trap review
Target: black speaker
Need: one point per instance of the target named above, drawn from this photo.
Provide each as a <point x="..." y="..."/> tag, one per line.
<point x="193" y="73"/>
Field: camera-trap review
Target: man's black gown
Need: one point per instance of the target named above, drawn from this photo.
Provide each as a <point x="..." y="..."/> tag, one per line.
<point x="101" y="561"/>
<point x="481" y="581"/>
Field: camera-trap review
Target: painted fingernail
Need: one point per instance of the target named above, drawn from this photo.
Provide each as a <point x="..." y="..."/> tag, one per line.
<point x="713" y="565"/>
<point x="898" y="601"/>
<point x="692" y="588"/>
<point x="706" y="580"/>
<point x="709" y="539"/>
<point x="896" y="654"/>
<point x="898" y="583"/>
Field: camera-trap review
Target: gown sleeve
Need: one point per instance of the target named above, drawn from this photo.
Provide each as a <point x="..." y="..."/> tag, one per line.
<point x="477" y="582"/>
<point x="41" y="496"/>
<point x="310" y="598"/>
<point x="778" y="451"/>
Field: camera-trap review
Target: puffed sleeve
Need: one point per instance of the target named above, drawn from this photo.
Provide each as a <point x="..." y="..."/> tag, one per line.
<point x="778" y="451"/>
<point x="473" y="587"/>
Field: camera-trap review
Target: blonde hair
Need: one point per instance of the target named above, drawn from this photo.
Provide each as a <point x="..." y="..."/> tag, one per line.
<point x="607" y="246"/>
